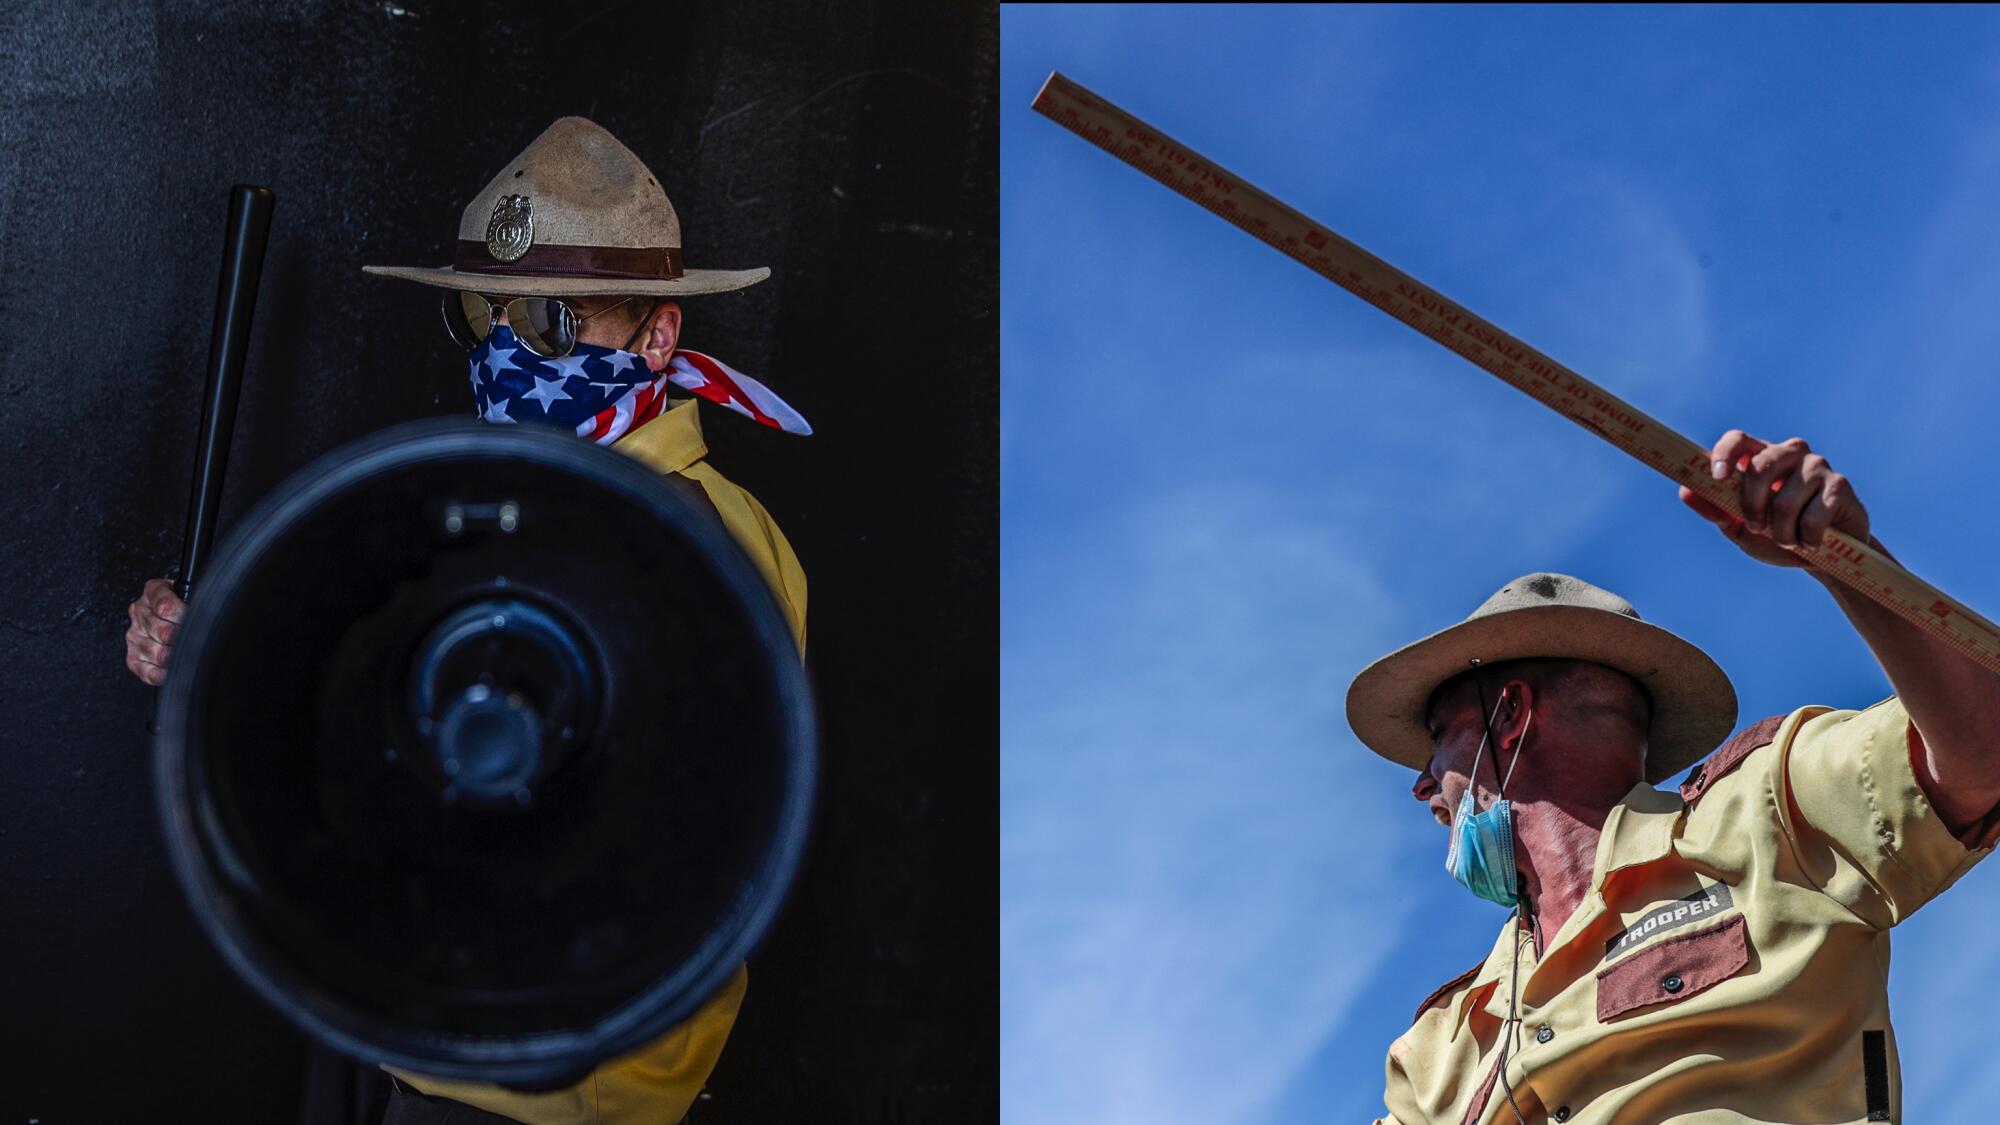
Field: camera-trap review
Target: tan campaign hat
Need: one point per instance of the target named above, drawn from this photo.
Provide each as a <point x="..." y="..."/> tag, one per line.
<point x="575" y="214"/>
<point x="1549" y="615"/>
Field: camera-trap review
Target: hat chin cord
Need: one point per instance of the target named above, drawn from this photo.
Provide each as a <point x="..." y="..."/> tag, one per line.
<point x="1513" y="1024"/>
<point x="1513" y="1004"/>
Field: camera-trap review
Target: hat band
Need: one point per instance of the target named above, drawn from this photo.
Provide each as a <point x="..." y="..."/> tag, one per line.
<point x="546" y="260"/>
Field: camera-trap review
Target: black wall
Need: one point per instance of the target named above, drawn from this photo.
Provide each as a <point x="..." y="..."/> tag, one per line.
<point x="851" y="147"/>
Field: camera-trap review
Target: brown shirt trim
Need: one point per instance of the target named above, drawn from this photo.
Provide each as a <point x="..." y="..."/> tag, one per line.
<point x="1759" y="733"/>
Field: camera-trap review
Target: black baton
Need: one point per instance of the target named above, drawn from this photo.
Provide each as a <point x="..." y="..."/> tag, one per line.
<point x="235" y="298"/>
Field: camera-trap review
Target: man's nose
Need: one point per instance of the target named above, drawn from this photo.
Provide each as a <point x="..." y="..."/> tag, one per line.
<point x="1426" y="785"/>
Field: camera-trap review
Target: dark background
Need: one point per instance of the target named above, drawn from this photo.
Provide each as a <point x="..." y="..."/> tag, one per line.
<point x="850" y="147"/>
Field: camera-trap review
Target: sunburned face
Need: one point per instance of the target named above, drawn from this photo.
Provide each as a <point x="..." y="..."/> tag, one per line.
<point x="1456" y="756"/>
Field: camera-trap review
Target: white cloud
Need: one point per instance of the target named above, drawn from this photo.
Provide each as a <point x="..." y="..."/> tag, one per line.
<point x="1176" y="838"/>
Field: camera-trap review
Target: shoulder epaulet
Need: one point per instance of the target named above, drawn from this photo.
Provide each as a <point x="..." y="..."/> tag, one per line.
<point x="1730" y="755"/>
<point x="1446" y="989"/>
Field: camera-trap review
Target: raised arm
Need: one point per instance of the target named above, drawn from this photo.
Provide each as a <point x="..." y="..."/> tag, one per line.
<point x="1791" y="495"/>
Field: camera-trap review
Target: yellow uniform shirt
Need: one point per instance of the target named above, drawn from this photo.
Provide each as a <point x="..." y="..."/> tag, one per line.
<point x="1731" y="962"/>
<point x="655" y="1084"/>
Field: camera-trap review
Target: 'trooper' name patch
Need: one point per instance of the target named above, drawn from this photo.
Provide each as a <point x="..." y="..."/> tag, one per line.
<point x="1709" y="900"/>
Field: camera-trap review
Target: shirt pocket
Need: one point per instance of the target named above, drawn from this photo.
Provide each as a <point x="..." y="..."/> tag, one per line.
<point x="1672" y="970"/>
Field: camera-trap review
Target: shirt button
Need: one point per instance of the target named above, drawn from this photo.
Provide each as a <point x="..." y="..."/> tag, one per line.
<point x="1672" y="983"/>
<point x="1562" y="1113"/>
<point x="1545" y="1034"/>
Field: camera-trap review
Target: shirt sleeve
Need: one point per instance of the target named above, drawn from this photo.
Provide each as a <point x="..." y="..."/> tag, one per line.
<point x="1398" y="1099"/>
<point x="1862" y="826"/>
<point x="758" y="533"/>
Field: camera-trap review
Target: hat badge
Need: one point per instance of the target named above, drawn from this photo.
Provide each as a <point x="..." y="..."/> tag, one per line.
<point x="512" y="228"/>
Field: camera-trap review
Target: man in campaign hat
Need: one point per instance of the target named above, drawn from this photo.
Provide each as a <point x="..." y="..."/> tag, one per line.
<point x="1717" y="950"/>
<point x="564" y="290"/>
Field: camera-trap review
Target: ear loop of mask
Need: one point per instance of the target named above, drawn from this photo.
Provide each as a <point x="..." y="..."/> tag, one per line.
<point x="645" y="323"/>
<point x="1487" y="729"/>
<point x="644" y="333"/>
<point x="1514" y="977"/>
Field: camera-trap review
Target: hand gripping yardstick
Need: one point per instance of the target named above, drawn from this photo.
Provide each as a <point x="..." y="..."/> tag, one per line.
<point x="1847" y="560"/>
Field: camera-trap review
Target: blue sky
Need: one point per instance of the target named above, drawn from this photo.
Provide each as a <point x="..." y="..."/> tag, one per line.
<point x="1228" y="485"/>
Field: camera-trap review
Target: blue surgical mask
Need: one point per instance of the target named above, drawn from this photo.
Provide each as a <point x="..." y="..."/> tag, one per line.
<point x="1481" y="855"/>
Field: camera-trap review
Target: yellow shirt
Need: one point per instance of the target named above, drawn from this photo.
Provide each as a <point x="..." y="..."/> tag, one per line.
<point x="672" y="443"/>
<point x="656" y="1084"/>
<point x="1731" y="962"/>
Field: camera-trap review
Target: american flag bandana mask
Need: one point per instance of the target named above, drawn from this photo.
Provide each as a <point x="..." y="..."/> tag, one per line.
<point x="605" y="393"/>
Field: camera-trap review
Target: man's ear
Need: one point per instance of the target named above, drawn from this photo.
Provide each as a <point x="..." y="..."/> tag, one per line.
<point x="660" y="335"/>
<point x="1517" y="704"/>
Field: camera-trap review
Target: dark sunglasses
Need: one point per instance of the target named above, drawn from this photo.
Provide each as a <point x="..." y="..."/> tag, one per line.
<point x="546" y="325"/>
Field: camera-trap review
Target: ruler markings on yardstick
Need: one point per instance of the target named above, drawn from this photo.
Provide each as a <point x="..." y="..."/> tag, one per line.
<point x="1842" y="557"/>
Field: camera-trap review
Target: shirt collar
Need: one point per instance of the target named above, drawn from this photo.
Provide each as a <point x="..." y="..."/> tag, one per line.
<point x="1639" y="830"/>
<point x="668" y="443"/>
<point x="1498" y="964"/>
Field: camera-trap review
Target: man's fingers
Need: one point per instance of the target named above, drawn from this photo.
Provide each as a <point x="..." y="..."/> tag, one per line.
<point x="157" y="628"/>
<point x="1767" y="468"/>
<point x="155" y="616"/>
<point x="1819" y="513"/>
<point x="147" y="649"/>
<point x="1789" y="501"/>
<point x="150" y="673"/>
<point x="161" y="600"/>
<point x="1729" y="452"/>
<point x="1788" y="494"/>
<point x="1834" y="506"/>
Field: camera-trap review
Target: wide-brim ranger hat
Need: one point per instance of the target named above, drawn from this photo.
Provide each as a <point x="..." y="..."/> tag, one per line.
<point x="1549" y="615"/>
<point x="575" y="214"/>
